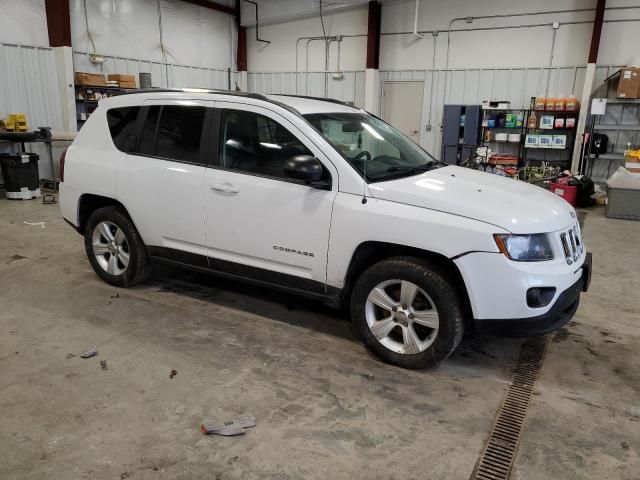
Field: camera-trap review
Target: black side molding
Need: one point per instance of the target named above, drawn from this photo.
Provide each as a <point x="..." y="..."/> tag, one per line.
<point x="77" y="229"/>
<point x="244" y="273"/>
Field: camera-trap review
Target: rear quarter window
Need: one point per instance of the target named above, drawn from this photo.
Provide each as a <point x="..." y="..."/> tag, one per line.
<point x="122" y="123"/>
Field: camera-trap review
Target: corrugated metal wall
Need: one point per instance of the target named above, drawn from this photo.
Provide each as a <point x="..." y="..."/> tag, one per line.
<point x="516" y="85"/>
<point x="29" y="84"/>
<point x="162" y="74"/>
<point x="350" y="88"/>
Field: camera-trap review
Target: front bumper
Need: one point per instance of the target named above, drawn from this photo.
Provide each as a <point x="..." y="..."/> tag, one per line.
<point x="560" y="313"/>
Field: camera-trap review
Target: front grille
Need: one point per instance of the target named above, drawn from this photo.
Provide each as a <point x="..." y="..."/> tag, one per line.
<point x="572" y="244"/>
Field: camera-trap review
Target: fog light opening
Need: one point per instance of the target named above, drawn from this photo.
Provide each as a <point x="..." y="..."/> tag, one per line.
<point x="540" y="296"/>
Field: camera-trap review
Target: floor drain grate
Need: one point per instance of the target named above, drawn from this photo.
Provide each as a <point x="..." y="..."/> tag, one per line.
<point x="499" y="452"/>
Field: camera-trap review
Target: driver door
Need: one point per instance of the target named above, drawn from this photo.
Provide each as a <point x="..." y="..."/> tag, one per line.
<point x="258" y="222"/>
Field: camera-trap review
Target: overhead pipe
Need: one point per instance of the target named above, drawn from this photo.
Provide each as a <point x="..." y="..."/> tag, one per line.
<point x="309" y="40"/>
<point x="522" y="14"/>
<point x="433" y="81"/>
<point x="415" y="21"/>
<point x="258" y="39"/>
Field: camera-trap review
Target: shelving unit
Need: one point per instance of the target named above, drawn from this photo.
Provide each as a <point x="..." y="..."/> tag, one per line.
<point x="85" y="104"/>
<point x="528" y="154"/>
<point x="620" y="123"/>
<point x="496" y="146"/>
<point x="553" y="155"/>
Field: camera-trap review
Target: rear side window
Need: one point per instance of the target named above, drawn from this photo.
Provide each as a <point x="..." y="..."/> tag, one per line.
<point x="173" y="132"/>
<point x="179" y="133"/>
<point x="149" y="130"/>
<point x="122" y="126"/>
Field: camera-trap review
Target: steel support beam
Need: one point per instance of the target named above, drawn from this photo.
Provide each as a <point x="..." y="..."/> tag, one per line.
<point x="213" y="6"/>
<point x="373" y="35"/>
<point x="58" y="22"/>
<point x="597" y="30"/>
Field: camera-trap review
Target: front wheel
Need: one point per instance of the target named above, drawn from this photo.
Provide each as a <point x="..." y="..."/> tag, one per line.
<point x="408" y="312"/>
<point x="114" y="247"/>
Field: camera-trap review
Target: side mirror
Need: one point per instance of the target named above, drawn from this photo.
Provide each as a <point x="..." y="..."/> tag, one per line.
<point x="303" y="167"/>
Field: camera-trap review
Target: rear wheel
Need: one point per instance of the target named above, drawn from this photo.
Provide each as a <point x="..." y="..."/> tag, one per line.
<point x="114" y="247"/>
<point x="408" y="312"/>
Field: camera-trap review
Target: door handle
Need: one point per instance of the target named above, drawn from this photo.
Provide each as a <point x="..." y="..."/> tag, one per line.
<point x="224" y="188"/>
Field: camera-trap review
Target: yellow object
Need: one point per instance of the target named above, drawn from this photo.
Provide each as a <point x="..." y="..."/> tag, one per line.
<point x="16" y="122"/>
<point x="551" y="104"/>
<point x="632" y="154"/>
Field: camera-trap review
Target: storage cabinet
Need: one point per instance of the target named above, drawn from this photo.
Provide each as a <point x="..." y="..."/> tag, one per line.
<point x="461" y="132"/>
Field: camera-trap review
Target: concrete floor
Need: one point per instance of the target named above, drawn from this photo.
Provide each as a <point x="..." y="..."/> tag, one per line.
<point x="325" y="408"/>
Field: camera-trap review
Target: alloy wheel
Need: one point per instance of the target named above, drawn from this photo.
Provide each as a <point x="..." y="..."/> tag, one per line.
<point x="110" y="248"/>
<point x="402" y="317"/>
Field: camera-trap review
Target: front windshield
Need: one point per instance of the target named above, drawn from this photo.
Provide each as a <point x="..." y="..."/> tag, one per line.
<point x="374" y="148"/>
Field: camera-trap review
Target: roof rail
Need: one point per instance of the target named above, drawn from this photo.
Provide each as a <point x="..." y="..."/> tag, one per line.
<point x="321" y="99"/>
<point x="235" y="93"/>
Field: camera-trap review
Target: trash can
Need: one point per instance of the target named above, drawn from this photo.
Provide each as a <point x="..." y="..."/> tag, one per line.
<point x="20" y="175"/>
<point x="623" y="195"/>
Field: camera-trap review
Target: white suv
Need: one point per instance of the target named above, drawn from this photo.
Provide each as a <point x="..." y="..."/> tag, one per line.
<point x="321" y="199"/>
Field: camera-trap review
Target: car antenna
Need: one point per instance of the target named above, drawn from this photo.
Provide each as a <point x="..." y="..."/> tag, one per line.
<point x="364" y="182"/>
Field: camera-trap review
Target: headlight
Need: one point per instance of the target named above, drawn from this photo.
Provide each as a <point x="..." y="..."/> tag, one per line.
<point x="525" y="248"/>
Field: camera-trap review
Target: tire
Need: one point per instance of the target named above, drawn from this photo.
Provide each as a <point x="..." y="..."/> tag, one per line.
<point x="110" y="265"/>
<point x="425" y="332"/>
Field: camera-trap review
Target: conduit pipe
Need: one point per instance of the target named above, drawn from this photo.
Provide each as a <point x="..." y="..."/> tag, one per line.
<point x="433" y="81"/>
<point x="334" y="38"/>
<point x="415" y="21"/>
<point x="523" y="14"/>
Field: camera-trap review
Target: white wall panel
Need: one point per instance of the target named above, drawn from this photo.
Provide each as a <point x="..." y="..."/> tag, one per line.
<point x="192" y="35"/>
<point x="280" y="54"/>
<point x="30" y="85"/>
<point x="349" y="89"/>
<point x="493" y="42"/>
<point x="23" y="22"/>
<point x="162" y="75"/>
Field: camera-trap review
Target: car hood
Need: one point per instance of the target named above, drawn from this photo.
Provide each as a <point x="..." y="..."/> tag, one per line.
<point x="510" y="204"/>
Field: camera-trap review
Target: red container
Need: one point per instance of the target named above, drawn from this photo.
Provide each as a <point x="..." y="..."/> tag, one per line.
<point x="568" y="192"/>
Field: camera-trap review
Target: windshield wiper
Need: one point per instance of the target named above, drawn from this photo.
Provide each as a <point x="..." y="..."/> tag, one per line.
<point x="408" y="168"/>
<point x="405" y="169"/>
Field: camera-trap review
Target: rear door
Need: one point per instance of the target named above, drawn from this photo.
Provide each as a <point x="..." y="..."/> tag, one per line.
<point x="259" y="223"/>
<point x="160" y="182"/>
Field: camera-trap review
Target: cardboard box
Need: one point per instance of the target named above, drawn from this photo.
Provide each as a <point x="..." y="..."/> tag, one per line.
<point x="127" y="84"/>
<point x="90" y="79"/>
<point x="629" y="83"/>
<point x="633" y="167"/>
<point x="118" y="77"/>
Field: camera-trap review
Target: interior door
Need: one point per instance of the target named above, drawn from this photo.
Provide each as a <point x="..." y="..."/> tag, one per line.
<point x="258" y="222"/>
<point x="402" y="107"/>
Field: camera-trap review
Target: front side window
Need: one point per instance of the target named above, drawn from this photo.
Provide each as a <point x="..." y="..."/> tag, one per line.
<point x="256" y="144"/>
<point x="122" y="126"/>
<point x="374" y="148"/>
<point x="173" y="132"/>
